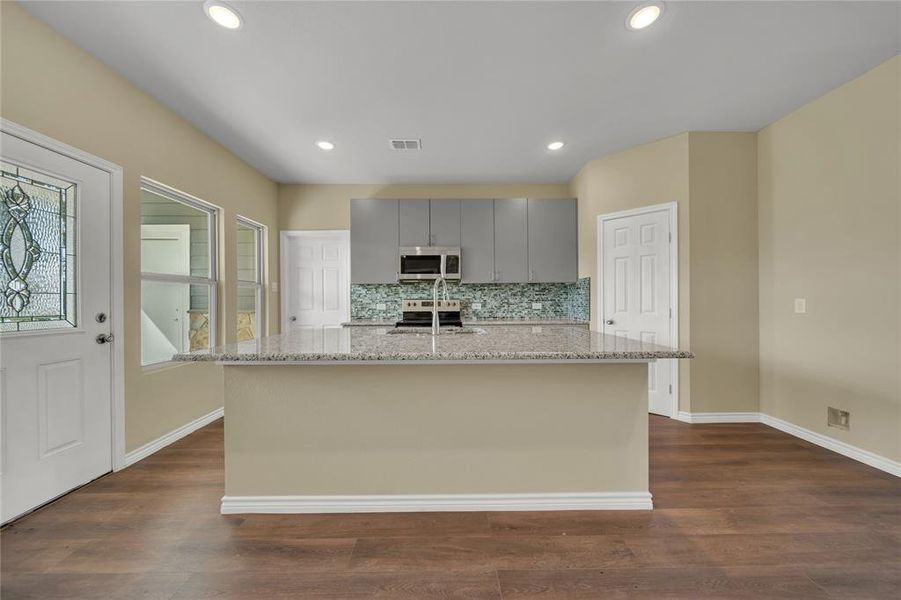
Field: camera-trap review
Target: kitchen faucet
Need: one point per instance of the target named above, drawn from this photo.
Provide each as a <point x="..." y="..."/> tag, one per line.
<point x="436" y="326"/>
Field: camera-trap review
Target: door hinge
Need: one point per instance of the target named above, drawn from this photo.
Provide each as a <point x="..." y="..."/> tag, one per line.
<point x="670" y="313"/>
<point x="670" y="388"/>
<point x="671" y="237"/>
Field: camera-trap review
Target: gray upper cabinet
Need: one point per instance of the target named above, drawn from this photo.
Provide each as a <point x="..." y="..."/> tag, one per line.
<point x="414" y="222"/>
<point x="373" y="241"/>
<point x="477" y="241"/>
<point x="553" y="243"/>
<point x="444" y="223"/>
<point x="511" y="240"/>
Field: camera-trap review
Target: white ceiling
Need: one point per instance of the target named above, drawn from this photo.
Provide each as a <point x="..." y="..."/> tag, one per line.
<point x="486" y="85"/>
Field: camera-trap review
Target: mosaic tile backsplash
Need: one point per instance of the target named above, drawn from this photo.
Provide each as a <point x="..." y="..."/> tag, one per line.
<point x="499" y="300"/>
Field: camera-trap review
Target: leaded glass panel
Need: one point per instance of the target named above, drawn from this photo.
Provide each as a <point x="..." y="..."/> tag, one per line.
<point x="37" y="251"/>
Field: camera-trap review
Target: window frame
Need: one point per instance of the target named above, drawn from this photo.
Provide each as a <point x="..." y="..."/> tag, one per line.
<point x="260" y="283"/>
<point x="212" y="281"/>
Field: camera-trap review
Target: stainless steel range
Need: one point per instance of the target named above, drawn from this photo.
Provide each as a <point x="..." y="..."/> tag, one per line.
<point x="418" y="313"/>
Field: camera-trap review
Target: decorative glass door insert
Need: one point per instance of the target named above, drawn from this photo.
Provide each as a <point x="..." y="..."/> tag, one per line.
<point x="37" y="251"/>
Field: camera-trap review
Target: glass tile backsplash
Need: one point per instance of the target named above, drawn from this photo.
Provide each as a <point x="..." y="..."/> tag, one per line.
<point x="498" y="300"/>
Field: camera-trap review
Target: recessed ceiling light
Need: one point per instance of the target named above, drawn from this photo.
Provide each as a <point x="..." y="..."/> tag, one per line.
<point x="323" y="145"/>
<point x="644" y="15"/>
<point x="555" y="145"/>
<point x="222" y="14"/>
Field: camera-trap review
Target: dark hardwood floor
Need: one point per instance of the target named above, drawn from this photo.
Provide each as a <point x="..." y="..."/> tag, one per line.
<point x="742" y="511"/>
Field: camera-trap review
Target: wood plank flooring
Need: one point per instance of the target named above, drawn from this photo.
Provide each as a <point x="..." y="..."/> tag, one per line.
<point x="743" y="511"/>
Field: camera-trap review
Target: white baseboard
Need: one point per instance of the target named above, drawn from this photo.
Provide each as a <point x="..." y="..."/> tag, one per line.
<point x="719" y="417"/>
<point x="859" y="454"/>
<point x="435" y="503"/>
<point x="173" y="436"/>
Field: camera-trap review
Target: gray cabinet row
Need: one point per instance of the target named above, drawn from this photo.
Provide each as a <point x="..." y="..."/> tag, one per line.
<point x="512" y="240"/>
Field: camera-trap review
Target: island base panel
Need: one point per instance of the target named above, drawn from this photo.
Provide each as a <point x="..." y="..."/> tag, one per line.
<point x="350" y="431"/>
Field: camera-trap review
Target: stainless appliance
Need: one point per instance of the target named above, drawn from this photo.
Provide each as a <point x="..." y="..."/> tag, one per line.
<point x="428" y="262"/>
<point x="418" y="313"/>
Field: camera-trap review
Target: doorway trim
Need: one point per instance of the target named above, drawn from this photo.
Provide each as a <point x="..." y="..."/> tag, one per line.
<point x="672" y="211"/>
<point x="285" y="237"/>
<point x="117" y="274"/>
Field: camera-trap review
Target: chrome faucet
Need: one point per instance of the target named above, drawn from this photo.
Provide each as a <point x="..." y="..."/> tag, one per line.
<point x="436" y="326"/>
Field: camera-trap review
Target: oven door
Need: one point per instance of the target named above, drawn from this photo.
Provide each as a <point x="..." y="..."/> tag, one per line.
<point x="419" y="263"/>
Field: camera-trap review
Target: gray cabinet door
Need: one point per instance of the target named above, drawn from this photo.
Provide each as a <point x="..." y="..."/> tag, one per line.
<point x="373" y="241"/>
<point x="414" y="222"/>
<point x="477" y="241"/>
<point x="511" y="240"/>
<point x="444" y="222"/>
<point x="553" y="241"/>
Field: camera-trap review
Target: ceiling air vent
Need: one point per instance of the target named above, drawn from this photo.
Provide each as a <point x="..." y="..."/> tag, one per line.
<point x="397" y="144"/>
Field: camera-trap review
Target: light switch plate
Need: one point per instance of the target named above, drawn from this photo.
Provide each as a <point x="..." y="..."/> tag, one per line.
<point x="536" y="306"/>
<point x="800" y="305"/>
<point x="476" y="306"/>
<point x="380" y="306"/>
<point x="273" y="287"/>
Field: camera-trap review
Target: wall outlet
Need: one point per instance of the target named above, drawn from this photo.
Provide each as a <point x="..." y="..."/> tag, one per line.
<point x="800" y="305"/>
<point x="476" y="306"/>
<point x="381" y="306"/>
<point x="536" y="306"/>
<point x="840" y="419"/>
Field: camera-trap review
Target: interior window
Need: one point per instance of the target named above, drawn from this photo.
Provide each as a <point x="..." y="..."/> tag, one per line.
<point x="178" y="273"/>
<point x="250" y="279"/>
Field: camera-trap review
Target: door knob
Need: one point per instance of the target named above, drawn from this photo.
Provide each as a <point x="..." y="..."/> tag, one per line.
<point x="609" y="321"/>
<point x="104" y="338"/>
<point x="293" y="319"/>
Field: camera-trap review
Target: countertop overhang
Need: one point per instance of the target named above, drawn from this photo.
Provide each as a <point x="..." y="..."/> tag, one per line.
<point x="490" y="344"/>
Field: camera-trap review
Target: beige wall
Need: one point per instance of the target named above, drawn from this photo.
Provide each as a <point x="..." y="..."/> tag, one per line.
<point x="327" y="206"/>
<point x="293" y="431"/>
<point x="102" y="113"/>
<point x="712" y="177"/>
<point x="650" y="174"/>
<point x="829" y="232"/>
<point x="723" y="271"/>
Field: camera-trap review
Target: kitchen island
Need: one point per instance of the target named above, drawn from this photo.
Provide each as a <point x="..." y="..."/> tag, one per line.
<point x="497" y="418"/>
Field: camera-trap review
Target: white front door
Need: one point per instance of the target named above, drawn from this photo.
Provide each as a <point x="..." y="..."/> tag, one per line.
<point x="316" y="279"/>
<point x="636" y="291"/>
<point x="55" y="378"/>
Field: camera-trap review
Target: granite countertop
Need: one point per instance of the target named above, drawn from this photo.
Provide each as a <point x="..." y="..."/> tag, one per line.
<point x="475" y="322"/>
<point x="539" y="343"/>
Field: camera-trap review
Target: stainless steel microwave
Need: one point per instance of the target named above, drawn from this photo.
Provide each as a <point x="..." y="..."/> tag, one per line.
<point x="428" y="262"/>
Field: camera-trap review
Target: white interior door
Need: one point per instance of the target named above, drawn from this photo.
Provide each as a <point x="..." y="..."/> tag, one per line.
<point x="317" y="278"/>
<point x="636" y="291"/>
<point x="55" y="377"/>
<point x="165" y="317"/>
